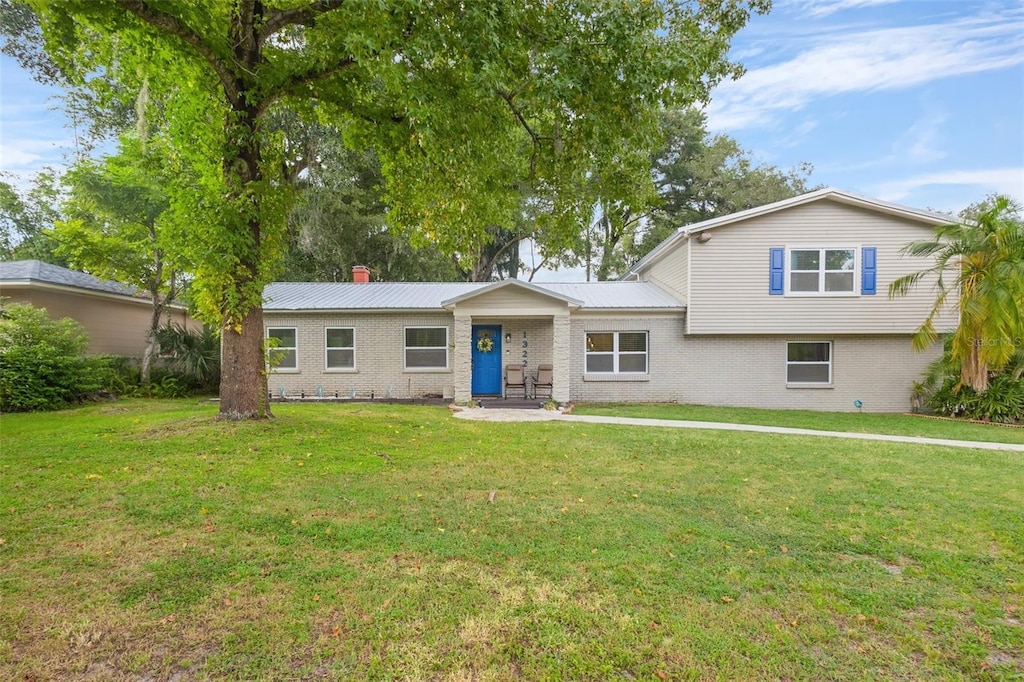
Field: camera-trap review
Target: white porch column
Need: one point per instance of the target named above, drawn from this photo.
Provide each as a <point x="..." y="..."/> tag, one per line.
<point x="462" y="359"/>
<point x="560" y="358"/>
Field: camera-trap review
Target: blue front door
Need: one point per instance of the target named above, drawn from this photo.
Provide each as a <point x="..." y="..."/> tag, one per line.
<point x="486" y="360"/>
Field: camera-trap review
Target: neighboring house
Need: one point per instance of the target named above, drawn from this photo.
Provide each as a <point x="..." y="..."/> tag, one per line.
<point x="116" y="316"/>
<point x="781" y="306"/>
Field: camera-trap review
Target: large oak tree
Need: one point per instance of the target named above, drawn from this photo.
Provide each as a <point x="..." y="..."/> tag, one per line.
<point x="463" y="101"/>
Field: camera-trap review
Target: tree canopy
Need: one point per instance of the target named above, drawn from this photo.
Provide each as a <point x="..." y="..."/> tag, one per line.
<point x="464" y="102"/>
<point x="118" y="224"/>
<point x="695" y="176"/>
<point x="979" y="271"/>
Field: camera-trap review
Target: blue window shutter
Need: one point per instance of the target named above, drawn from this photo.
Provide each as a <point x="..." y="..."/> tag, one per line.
<point x="777" y="282"/>
<point x="869" y="270"/>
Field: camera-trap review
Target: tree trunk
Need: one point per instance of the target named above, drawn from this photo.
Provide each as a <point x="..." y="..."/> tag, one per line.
<point x="974" y="370"/>
<point x="243" y="377"/>
<point x="154" y="326"/>
<point x="611" y="240"/>
<point x="158" y="304"/>
<point x="243" y="383"/>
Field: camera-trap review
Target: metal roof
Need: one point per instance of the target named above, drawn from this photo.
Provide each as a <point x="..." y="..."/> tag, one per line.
<point x="37" y="271"/>
<point x="298" y="296"/>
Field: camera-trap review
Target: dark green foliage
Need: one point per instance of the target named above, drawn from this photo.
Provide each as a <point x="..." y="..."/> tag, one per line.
<point x="942" y="390"/>
<point x="43" y="365"/>
<point x="24" y="217"/>
<point x="120" y="377"/>
<point x="340" y="219"/>
<point x="1002" y="402"/>
<point x="192" y="355"/>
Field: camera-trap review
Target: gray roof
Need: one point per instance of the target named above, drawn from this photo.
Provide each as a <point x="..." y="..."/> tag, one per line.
<point x="281" y="296"/>
<point x="37" y="271"/>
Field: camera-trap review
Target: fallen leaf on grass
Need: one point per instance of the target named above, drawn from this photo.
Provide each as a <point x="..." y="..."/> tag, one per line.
<point x="728" y="600"/>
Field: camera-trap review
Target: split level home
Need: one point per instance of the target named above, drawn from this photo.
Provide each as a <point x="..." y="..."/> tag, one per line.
<point x="116" y="316"/>
<point x="783" y="306"/>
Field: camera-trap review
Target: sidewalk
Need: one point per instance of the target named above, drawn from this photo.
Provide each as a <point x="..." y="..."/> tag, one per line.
<point x="499" y="415"/>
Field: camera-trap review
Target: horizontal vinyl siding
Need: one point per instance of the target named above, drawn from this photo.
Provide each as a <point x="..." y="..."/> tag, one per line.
<point x="115" y="327"/>
<point x="730" y="275"/>
<point x="512" y="299"/>
<point x="671" y="271"/>
<point x="379" y="356"/>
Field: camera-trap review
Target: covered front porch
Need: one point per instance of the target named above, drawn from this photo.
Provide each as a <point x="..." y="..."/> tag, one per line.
<point x="509" y="323"/>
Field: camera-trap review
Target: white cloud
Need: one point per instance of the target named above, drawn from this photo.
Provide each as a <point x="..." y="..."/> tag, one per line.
<point x="922" y="142"/>
<point x="863" y="61"/>
<point x="21" y="155"/>
<point x="823" y="8"/>
<point x="1002" y="180"/>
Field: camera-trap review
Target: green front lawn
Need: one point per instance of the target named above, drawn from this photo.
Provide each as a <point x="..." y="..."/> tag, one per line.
<point x="143" y="541"/>
<point x="890" y="424"/>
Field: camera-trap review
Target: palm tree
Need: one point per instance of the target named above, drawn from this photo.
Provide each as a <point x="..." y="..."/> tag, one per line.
<point x="985" y="256"/>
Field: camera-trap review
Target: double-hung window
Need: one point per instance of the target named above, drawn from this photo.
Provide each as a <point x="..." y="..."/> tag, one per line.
<point x="426" y="348"/>
<point x="809" y="362"/>
<point x="822" y="271"/>
<point x="340" y="347"/>
<point x="284" y="351"/>
<point x="616" y="352"/>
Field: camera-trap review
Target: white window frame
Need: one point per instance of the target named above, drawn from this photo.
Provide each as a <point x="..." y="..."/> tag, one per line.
<point x="788" y="270"/>
<point x="405" y="349"/>
<point x="295" y="349"/>
<point x="327" y="349"/>
<point x="616" y="353"/>
<point x="831" y="359"/>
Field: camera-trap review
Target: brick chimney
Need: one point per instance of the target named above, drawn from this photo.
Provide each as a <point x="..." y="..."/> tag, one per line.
<point x="360" y="274"/>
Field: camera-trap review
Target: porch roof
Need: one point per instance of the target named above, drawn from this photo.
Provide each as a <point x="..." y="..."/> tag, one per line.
<point x="390" y="296"/>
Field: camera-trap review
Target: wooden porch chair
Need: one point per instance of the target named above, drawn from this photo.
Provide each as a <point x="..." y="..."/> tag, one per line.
<point x="543" y="379"/>
<point x="514" y="380"/>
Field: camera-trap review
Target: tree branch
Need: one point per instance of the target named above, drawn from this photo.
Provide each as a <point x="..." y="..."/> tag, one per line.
<point x="508" y="97"/>
<point x="300" y="15"/>
<point x="170" y="24"/>
<point x="300" y="79"/>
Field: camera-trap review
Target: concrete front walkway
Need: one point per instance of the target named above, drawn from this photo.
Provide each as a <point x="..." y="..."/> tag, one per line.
<point x="498" y="415"/>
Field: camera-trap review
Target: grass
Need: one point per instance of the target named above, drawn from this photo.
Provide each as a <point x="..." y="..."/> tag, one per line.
<point x="143" y="541"/>
<point x="890" y="424"/>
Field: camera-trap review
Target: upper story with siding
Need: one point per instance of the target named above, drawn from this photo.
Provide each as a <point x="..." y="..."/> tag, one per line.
<point x="820" y="263"/>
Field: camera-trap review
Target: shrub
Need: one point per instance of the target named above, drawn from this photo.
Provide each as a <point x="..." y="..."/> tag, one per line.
<point x="194" y="357"/>
<point x="43" y="365"/>
<point x="121" y="375"/>
<point x="1003" y="401"/>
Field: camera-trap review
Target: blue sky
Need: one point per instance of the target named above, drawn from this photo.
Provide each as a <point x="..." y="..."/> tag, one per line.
<point x="920" y="102"/>
<point x="917" y="102"/>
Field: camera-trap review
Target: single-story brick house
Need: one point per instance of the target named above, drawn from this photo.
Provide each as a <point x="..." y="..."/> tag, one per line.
<point x="116" y="316"/>
<point x="781" y="306"/>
